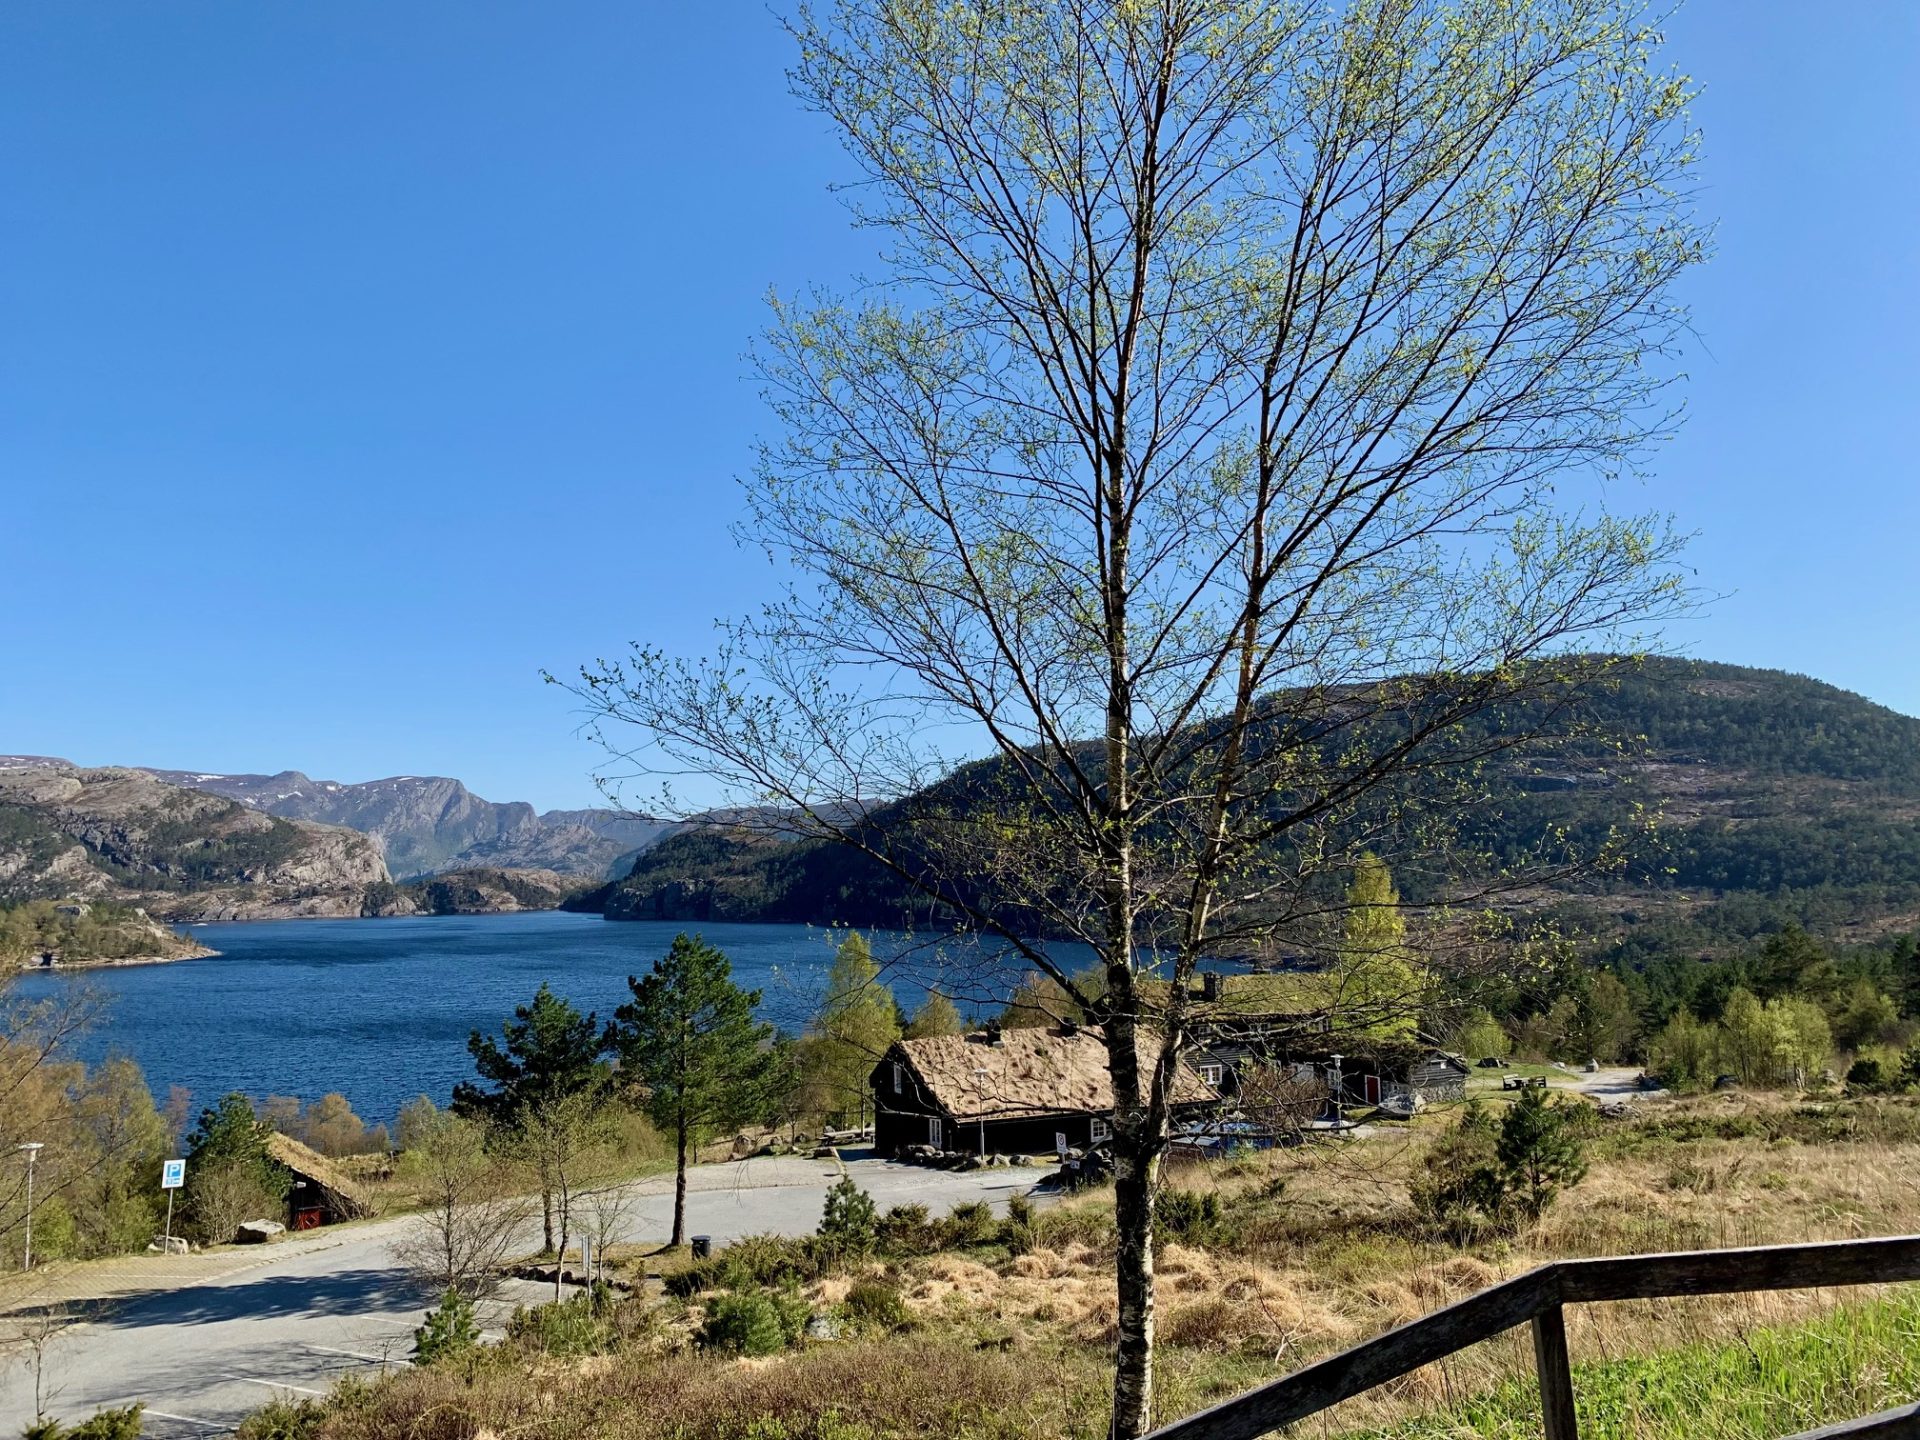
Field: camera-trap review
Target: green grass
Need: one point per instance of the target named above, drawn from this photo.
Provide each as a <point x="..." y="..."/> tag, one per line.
<point x="1774" y="1382"/>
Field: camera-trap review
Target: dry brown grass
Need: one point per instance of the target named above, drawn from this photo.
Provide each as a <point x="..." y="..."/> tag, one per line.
<point x="830" y="1393"/>
<point x="1318" y="1249"/>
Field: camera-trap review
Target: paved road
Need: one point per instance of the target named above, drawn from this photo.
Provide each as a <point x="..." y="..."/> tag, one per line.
<point x="317" y="1307"/>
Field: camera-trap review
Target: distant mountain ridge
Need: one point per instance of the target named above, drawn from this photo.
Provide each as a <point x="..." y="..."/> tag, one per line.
<point x="431" y="824"/>
<point x="125" y="837"/>
<point x="1783" y="799"/>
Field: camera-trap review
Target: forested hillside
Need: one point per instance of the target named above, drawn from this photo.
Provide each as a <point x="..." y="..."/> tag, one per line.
<point x="1779" y="799"/>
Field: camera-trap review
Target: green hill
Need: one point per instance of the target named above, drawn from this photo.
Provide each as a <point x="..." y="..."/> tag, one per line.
<point x="1782" y="799"/>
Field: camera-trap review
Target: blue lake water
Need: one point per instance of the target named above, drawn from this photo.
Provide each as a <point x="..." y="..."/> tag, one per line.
<point x="380" y="1010"/>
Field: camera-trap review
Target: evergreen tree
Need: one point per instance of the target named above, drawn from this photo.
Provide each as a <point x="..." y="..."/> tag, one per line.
<point x="858" y="1020"/>
<point x="1539" y="1151"/>
<point x="551" y="1052"/>
<point x="936" y="1016"/>
<point x="849" y="1224"/>
<point x="690" y="1037"/>
<point x="550" y="1065"/>
<point x="451" y="1331"/>
<point x="228" y="1168"/>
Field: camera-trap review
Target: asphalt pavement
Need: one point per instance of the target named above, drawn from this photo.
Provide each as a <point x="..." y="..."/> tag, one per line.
<point x="221" y="1342"/>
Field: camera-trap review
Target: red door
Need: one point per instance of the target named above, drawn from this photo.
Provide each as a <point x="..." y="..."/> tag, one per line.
<point x="1373" y="1089"/>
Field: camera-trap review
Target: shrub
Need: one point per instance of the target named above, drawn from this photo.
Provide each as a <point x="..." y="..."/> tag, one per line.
<point x="1867" y="1073"/>
<point x="969" y="1223"/>
<point x="1189" y="1216"/>
<point x="1017" y="1230"/>
<point x="794" y="1312"/>
<point x="109" y="1425"/>
<point x="1087" y="1224"/>
<point x="561" y="1327"/>
<point x="751" y="1262"/>
<point x="906" y="1230"/>
<point x="849" y="1225"/>
<point x="876" y="1305"/>
<point x="284" y="1420"/>
<point x="1459" y="1186"/>
<point x="743" y="1325"/>
<point x="450" y="1331"/>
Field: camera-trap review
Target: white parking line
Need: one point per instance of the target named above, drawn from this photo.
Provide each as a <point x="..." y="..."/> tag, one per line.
<point x="213" y="1425"/>
<point x="271" y="1384"/>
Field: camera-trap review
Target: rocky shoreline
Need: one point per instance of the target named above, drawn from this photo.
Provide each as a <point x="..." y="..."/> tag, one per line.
<point x="194" y="951"/>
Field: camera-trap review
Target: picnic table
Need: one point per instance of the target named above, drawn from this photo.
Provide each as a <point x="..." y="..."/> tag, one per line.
<point x="1523" y="1082"/>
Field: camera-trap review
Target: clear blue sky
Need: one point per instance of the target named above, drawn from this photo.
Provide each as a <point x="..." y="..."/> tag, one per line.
<point x="359" y="359"/>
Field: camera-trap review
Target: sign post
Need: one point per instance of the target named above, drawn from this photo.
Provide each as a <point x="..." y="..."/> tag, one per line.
<point x="173" y="1174"/>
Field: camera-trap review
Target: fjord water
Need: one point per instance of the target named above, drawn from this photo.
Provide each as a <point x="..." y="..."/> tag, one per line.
<point x="380" y="1010"/>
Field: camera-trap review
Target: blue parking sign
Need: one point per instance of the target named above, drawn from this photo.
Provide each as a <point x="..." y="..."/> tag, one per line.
<point x="173" y="1174"/>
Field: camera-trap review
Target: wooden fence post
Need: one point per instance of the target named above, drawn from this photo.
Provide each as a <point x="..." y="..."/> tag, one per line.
<point x="1556" y="1378"/>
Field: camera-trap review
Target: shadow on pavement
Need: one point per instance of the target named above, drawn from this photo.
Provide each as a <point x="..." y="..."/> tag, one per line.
<point x="336" y="1293"/>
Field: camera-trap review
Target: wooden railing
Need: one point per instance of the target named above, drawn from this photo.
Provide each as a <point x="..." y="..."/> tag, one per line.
<point x="1539" y="1298"/>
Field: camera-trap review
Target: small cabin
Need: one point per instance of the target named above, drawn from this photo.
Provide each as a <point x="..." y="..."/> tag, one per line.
<point x="1007" y="1092"/>
<point x="321" y="1193"/>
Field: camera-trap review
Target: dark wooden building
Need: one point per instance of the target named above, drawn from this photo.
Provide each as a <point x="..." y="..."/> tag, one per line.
<point x="1005" y="1092"/>
<point x="1282" y="1022"/>
<point x="321" y="1193"/>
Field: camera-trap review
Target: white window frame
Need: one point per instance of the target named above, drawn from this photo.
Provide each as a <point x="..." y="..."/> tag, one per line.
<point x="1099" y="1130"/>
<point x="933" y="1132"/>
<point x="899" y="1079"/>
<point x="1213" y="1073"/>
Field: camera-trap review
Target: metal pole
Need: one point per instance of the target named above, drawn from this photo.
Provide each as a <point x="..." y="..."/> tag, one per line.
<point x="166" y="1246"/>
<point x="32" y="1149"/>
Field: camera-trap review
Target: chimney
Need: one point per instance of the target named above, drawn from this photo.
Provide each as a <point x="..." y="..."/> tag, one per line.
<point x="1210" y="985"/>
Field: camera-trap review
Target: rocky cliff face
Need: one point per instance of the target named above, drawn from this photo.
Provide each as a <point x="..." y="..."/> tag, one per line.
<point x="182" y="854"/>
<point x="431" y="824"/>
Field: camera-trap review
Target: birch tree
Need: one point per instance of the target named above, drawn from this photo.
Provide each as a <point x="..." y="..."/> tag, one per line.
<point x="1223" y="450"/>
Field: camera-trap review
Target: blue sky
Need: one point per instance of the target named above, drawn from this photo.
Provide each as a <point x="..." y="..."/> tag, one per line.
<point x="358" y="360"/>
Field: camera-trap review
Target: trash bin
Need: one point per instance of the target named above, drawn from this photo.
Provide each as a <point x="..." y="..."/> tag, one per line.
<point x="702" y="1246"/>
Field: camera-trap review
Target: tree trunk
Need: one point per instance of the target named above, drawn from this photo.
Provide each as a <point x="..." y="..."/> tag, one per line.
<point x="546" y="1216"/>
<point x="1133" y="1266"/>
<point x="680" y="1184"/>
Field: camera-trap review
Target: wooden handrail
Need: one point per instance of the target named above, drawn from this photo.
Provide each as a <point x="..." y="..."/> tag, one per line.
<point x="1536" y="1298"/>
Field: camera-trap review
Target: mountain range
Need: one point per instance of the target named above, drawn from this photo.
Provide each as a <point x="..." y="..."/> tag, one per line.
<point x="429" y="824"/>
<point x="1781" y="799"/>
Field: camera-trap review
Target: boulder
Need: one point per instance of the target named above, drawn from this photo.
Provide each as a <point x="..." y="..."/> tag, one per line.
<point x="169" y="1245"/>
<point x="258" y="1232"/>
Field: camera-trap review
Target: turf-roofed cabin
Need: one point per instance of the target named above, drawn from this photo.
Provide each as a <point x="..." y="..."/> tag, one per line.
<point x="1007" y="1092"/>
<point x="1300" y="1025"/>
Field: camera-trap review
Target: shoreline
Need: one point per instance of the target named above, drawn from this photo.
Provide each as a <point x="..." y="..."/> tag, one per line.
<point x="33" y="967"/>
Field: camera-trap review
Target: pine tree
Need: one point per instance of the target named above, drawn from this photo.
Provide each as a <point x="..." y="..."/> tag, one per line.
<point x="551" y="1062"/>
<point x="450" y="1330"/>
<point x="1539" y="1151"/>
<point x="849" y="1224"/>
<point x="551" y="1052"/>
<point x="690" y="1037"/>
